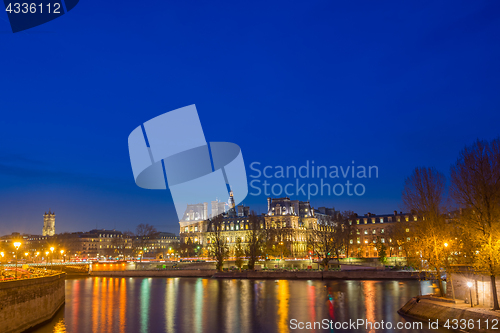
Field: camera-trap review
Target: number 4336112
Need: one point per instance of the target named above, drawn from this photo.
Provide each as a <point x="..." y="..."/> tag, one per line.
<point x="32" y="8"/>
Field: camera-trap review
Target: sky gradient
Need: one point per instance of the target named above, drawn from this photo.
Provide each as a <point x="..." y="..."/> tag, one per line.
<point x="392" y="84"/>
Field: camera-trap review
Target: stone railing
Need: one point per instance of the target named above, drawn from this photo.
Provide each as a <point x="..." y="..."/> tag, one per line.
<point x="29" y="302"/>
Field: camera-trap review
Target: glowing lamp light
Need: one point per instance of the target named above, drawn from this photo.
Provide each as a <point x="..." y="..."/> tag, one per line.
<point x="17" y="245"/>
<point x="52" y="249"/>
<point x="445" y="244"/>
<point x="62" y="251"/>
<point x="2" y="254"/>
<point x="469" y="284"/>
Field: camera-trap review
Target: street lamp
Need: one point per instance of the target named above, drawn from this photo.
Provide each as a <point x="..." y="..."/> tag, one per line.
<point x="62" y="252"/>
<point x="17" y="245"/>
<point x="46" y="258"/>
<point x="2" y="254"/>
<point x="445" y="244"/>
<point x="52" y="257"/>
<point x="469" y="284"/>
<point x="36" y="255"/>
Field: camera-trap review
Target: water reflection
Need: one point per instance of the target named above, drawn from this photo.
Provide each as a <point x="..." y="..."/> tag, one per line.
<point x="147" y="305"/>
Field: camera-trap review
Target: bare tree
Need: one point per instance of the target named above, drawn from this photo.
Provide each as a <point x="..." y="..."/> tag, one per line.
<point x="348" y="217"/>
<point x="423" y="195"/>
<point x="188" y="248"/>
<point x="143" y="233"/>
<point x="239" y="252"/>
<point x="475" y="186"/>
<point x="324" y="243"/>
<point x="218" y="247"/>
<point x="255" y="237"/>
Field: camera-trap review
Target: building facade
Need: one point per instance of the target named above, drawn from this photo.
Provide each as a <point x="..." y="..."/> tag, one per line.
<point x="285" y="225"/>
<point x="369" y="231"/>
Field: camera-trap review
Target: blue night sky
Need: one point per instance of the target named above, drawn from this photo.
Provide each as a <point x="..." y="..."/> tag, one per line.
<point x="392" y="84"/>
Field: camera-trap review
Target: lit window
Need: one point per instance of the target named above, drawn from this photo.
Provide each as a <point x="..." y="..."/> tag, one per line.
<point x="351" y="241"/>
<point x="374" y="231"/>
<point x="382" y="231"/>
<point x="407" y="230"/>
<point x="366" y="232"/>
<point x="382" y="240"/>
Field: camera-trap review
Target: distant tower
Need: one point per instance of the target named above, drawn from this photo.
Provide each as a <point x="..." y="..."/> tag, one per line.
<point x="49" y="224"/>
<point x="231" y="200"/>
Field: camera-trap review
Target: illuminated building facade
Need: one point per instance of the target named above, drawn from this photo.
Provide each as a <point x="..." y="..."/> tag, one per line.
<point x="286" y="221"/>
<point x="368" y="230"/>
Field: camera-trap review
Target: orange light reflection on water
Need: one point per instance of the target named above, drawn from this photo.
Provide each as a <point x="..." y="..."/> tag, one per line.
<point x="95" y="305"/>
<point x="369" y="292"/>
<point x="123" y="303"/>
<point x="283" y="296"/>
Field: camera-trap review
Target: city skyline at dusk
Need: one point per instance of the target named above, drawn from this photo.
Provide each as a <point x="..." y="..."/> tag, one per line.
<point x="319" y="88"/>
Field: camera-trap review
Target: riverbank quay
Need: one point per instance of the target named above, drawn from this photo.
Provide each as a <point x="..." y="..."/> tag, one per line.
<point x="272" y="274"/>
<point x="452" y="315"/>
<point x="27" y="303"/>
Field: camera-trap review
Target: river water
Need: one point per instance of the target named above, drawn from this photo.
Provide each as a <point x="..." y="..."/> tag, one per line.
<point x="194" y="305"/>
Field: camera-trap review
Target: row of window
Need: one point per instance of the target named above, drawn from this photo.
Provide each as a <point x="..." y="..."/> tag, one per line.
<point x="382" y="219"/>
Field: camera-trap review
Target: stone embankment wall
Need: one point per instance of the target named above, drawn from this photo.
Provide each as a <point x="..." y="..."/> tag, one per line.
<point x="30" y="302"/>
<point x="346" y="275"/>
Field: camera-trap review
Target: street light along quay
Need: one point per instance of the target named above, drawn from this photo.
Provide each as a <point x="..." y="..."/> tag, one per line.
<point x="62" y="252"/>
<point x="469" y="284"/>
<point x="52" y="258"/>
<point x="17" y="245"/>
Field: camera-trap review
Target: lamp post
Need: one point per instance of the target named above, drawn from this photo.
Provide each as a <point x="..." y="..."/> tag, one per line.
<point x="469" y="284"/>
<point x="46" y="257"/>
<point x="281" y="258"/>
<point x="36" y="255"/>
<point x="62" y="252"/>
<point x="17" y="245"/>
<point x="1" y="254"/>
<point x="52" y="257"/>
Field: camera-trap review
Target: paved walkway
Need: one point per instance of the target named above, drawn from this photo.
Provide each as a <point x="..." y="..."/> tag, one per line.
<point x="461" y="305"/>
